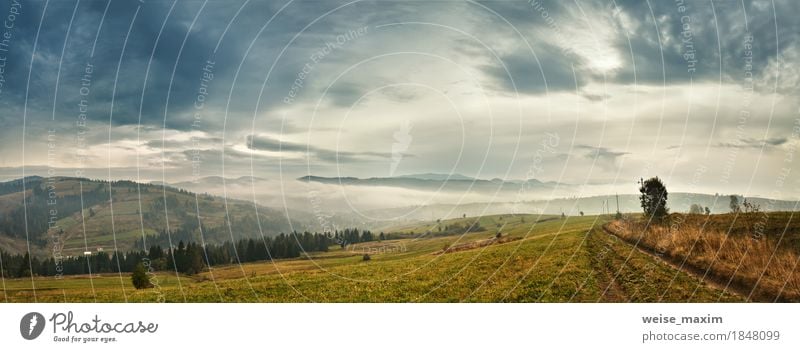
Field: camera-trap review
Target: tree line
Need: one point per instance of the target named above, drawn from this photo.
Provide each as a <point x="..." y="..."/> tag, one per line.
<point x="187" y="257"/>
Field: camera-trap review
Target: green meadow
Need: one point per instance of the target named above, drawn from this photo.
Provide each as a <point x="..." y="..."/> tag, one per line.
<point x="545" y="258"/>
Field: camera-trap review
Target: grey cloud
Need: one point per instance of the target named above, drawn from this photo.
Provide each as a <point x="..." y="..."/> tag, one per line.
<point x="179" y="67"/>
<point x="714" y="39"/>
<point x="231" y="105"/>
<point x="175" y="58"/>
<point x="755" y="143"/>
<point x="660" y="50"/>
<point x="328" y="155"/>
<point x="172" y="144"/>
<point x="520" y="13"/>
<point x="604" y="157"/>
<point x="594" y="97"/>
<point x="547" y="67"/>
<point x="401" y="94"/>
<point x="345" y="94"/>
<point x="548" y="71"/>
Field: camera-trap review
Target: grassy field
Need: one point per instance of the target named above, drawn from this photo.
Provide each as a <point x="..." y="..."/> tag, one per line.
<point x="551" y="260"/>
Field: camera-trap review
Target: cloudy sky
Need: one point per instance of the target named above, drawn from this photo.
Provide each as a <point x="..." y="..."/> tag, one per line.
<point x="701" y="93"/>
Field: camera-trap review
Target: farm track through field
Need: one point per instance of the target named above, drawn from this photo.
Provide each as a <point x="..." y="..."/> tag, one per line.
<point x="709" y="278"/>
<point x="603" y="263"/>
<point x="611" y="289"/>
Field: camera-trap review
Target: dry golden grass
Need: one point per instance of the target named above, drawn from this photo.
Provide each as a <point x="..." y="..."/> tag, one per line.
<point x="757" y="266"/>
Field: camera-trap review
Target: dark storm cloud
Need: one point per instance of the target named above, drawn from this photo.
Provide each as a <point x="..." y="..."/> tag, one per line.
<point x="658" y="42"/>
<point x="176" y="56"/>
<point x="703" y="41"/>
<point x="118" y="63"/>
<point x="542" y="68"/>
<point x="235" y="105"/>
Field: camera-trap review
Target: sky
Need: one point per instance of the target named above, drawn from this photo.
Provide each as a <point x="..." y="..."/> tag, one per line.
<point x="703" y="94"/>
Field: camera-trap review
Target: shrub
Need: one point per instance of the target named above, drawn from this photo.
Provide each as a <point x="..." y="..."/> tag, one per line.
<point x="139" y="277"/>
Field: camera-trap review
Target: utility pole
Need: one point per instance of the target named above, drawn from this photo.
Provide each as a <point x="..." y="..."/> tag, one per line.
<point x="617" y="195"/>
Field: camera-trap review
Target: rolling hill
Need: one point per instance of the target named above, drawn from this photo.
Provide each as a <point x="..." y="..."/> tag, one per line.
<point x="67" y="216"/>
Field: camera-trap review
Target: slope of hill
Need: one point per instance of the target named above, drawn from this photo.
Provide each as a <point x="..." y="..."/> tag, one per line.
<point x="546" y="259"/>
<point x="67" y="216"/>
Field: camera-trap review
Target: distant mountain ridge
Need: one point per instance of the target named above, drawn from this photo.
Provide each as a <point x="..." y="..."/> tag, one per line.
<point x="444" y="182"/>
<point x="438" y="177"/>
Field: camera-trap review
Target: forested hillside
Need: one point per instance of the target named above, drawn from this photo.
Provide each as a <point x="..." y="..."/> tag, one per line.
<point x="62" y="216"/>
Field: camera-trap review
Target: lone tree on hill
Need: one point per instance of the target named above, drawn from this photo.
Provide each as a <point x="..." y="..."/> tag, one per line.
<point x="139" y="277"/>
<point x="654" y="198"/>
